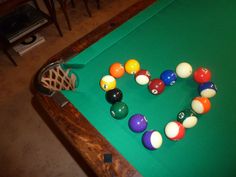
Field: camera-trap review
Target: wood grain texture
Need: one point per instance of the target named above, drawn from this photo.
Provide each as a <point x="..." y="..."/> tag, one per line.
<point x="75" y="128"/>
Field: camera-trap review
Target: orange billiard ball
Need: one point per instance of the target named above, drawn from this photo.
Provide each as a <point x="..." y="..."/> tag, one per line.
<point x="117" y="70"/>
<point x="201" y="105"/>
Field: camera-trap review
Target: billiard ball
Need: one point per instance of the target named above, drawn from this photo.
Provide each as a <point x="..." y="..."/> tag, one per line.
<point x="201" y="105"/>
<point x="188" y="118"/>
<point x="152" y="139"/>
<point x="119" y="110"/>
<point x="174" y="130"/>
<point x="114" y="95"/>
<point x="117" y="70"/>
<point x="202" y="75"/>
<point x="207" y="89"/>
<point x="108" y="82"/>
<point x="142" y="77"/>
<point x="137" y="123"/>
<point x="184" y="70"/>
<point x="132" y="66"/>
<point x="156" y="86"/>
<point x="168" y="77"/>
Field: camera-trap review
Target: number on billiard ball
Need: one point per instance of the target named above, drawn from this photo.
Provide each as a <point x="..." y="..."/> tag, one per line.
<point x="168" y="77"/>
<point x="156" y="86"/>
<point x="207" y="89"/>
<point x="117" y="70"/>
<point x="132" y="66"/>
<point x="188" y="118"/>
<point x="108" y="82"/>
<point x="114" y="95"/>
<point x="202" y="75"/>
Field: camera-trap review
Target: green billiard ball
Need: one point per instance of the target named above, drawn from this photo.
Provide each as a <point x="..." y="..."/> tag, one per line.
<point x="188" y="118"/>
<point x="119" y="110"/>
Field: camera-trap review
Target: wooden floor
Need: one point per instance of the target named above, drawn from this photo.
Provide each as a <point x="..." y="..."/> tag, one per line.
<point x="27" y="147"/>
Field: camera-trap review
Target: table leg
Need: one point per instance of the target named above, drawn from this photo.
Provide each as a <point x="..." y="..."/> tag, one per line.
<point x="51" y="9"/>
<point x="87" y="8"/>
<point x="9" y="56"/>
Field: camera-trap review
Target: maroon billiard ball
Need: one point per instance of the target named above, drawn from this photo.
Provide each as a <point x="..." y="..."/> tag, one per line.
<point x="156" y="86"/>
<point x="202" y="75"/>
<point x="142" y="77"/>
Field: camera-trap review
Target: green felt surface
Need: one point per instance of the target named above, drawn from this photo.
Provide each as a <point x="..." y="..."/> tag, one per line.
<point x="202" y="33"/>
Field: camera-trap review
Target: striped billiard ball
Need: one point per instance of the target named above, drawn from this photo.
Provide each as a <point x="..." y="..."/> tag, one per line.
<point x="188" y="118"/>
<point x="207" y="89"/>
<point x="201" y="105"/>
<point x="108" y="82"/>
<point x="174" y="130"/>
<point x="152" y="139"/>
<point x="142" y="77"/>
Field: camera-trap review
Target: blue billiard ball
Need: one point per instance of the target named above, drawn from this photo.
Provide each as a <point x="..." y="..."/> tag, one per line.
<point x="138" y="123"/>
<point x="207" y="89"/>
<point x="152" y="139"/>
<point x="169" y="77"/>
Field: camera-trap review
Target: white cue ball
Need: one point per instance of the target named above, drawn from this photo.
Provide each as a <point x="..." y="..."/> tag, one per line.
<point x="184" y="70"/>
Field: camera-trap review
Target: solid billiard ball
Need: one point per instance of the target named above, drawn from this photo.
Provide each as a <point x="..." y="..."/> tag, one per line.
<point x="142" y="77"/>
<point x="168" y="77"/>
<point x="156" y="86"/>
<point x="138" y="123"/>
<point x="174" y="130"/>
<point x="108" y="82"/>
<point x="152" y="139"/>
<point x="207" y="89"/>
<point x="202" y="75"/>
<point x="184" y="70"/>
<point x="188" y="118"/>
<point x="132" y="66"/>
<point x="117" y="70"/>
<point x="119" y="110"/>
<point x="201" y="105"/>
<point x="114" y="95"/>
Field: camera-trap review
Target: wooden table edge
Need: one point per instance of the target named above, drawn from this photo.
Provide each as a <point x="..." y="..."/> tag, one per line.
<point x="74" y="129"/>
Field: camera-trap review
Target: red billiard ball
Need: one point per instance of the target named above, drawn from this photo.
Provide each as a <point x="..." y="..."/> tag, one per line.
<point x="174" y="130"/>
<point x="156" y="86"/>
<point x="202" y="75"/>
<point x="142" y="77"/>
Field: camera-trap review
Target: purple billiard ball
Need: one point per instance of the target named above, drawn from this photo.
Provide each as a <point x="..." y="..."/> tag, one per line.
<point x="152" y="139"/>
<point x="138" y="123"/>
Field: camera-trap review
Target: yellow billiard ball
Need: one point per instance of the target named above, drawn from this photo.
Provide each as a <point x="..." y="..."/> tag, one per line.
<point x="132" y="66"/>
<point x="108" y="82"/>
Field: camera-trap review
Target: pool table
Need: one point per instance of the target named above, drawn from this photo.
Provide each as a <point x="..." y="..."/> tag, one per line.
<point x="160" y="35"/>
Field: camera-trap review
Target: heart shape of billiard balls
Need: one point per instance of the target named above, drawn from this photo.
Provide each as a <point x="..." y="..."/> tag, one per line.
<point x="174" y="130"/>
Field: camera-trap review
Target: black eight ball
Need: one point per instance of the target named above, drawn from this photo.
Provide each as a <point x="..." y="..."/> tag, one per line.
<point x="114" y="95"/>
